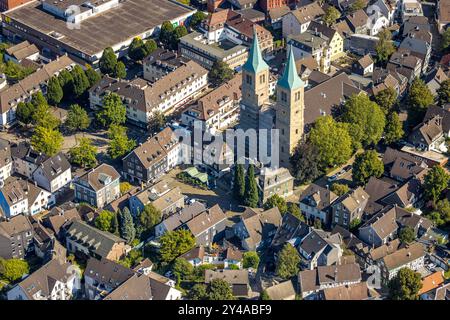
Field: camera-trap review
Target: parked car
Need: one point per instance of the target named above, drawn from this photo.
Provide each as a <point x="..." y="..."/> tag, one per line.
<point x="334" y="177"/>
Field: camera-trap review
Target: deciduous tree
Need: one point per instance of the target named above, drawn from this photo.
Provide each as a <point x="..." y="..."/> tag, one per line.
<point x="305" y="162"/>
<point x="394" y="128"/>
<point x="367" y="165"/>
<point x="84" y="155"/>
<point x="385" y="47"/>
<point x="108" y="62"/>
<point x="332" y="141"/>
<point x="288" y="261"/>
<point x="113" y="111"/>
<point x="220" y="73"/>
<point x="54" y="91"/>
<point x="405" y="285"/>
<point x="119" y="143"/>
<point x="436" y="181"/>
<point x="276" y="201"/>
<point x="250" y="260"/>
<point x="77" y="119"/>
<point x="175" y="243"/>
<point x="47" y="141"/>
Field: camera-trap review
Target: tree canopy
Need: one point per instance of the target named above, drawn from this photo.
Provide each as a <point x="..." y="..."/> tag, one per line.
<point x="105" y="221"/>
<point x="332" y="140"/>
<point x="366" y="120"/>
<point x="84" y="154"/>
<point x="220" y="73"/>
<point x="386" y="99"/>
<point x="54" y="91"/>
<point x="418" y="99"/>
<point x="367" y="165"/>
<point x="119" y="144"/>
<point x="175" y="243"/>
<point x="47" y="141"/>
<point x="13" y="269"/>
<point x="331" y="15"/>
<point x="112" y="112"/>
<point x="77" y="119"/>
<point x="405" y="285"/>
<point x="250" y="260"/>
<point x="251" y="189"/>
<point x="384" y="47"/>
<point x="108" y="62"/>
<point x="340" y="189"/>
<point x="127" y="230"/>
<point x="305" y="162"/>
<point x="444" y="92"/>
<point x="407" y="235"/>
<point x="436" y="181"/>
<point x="288" y="262"/>
<point x="276" y="201"/>
<point x="239" y="182"/>
<point x="394" y="128"/>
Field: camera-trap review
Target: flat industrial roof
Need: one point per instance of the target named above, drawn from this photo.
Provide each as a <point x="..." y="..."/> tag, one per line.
<point x="117" y="25"/>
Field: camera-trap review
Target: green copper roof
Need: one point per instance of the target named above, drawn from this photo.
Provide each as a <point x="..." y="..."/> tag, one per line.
<point x="255" y="62"/>
<point x="290" y="79"/>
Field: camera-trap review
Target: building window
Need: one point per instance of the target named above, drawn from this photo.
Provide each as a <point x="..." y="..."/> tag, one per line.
<point x="248" y="79"/>
<point x="283" y="96"/>
<point x="262" y="78"/>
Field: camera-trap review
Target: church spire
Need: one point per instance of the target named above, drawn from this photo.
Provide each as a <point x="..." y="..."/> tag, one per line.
<point x="255" y="62"/>
<point x="290" y="79"/>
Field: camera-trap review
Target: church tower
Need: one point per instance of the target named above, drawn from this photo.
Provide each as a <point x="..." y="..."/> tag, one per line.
<point x="290" y="107"/>
<point x="255" y="86"/>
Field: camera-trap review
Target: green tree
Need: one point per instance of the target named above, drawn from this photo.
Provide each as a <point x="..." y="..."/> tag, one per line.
<point x="219" y="289"/>
<point x="137" y="50"/>
<point x="166" y="33"/>
<point x="125" y="187"/>
<point x="84" y="155"/>
<point x="54" y="91"/>
<point x="445" y="39"/>
<point x="77" y="119"/>
<point x="157" y="121"/>
<point x="119" y="143"/>
<point x="436" y="181"/>
<point x="250" y="260"/>
<point x="150" y="216"/>
<point x="394" y="128"/>
<point x="175" y="243"/>
<point x="340" y="189"/>
<point x="178" y="32"/>
<point x="294" y="209"/>
<point x="127" y="230"/>
<point x="182" y="268"/>
<point x="220" y="73"/>
<point x="276" y="201"/>
<point x="317" y="224"/>
<point x="92" y="76"/>
<point x="15" y="72"/>
<point x="331" y="15"/>
<point x="367" y="165"/>
<point x="251" y="188"/>
<point x="288" y="261"/>
<point x="113" y="111"/>
<point x="405" y="285"/>
<point x="264" y="295"/>
<point x="121" y="71"/>
<point x="418" y="99"/>
<point x="305" y="162"/>
<point x="441" y="215"/>
<point x="444" y="92"/>
<point x="386" y="99"/>
<point x="150" y="46"/>
<point x="198" y="292"/>
<point x="385" y="47"/>
<point x="104" y="221"/>
<point x="24" y="112"/>
<point x="13" y="269"/>
<point x="239" y="182"/>
<point x="357" y="5"/>
<point x="332" y="141"/>
<point x="197" y="18"/>
<point x="47" y="141"/>
<point x="80" y="82"/>
<point x="354" y="224"/>
<point x="108" y="62"/>
<point x="407" y="235"/>
<point x="65" y="80"/>
<point x="365" y="120"/>
<point x="43" y="117"/>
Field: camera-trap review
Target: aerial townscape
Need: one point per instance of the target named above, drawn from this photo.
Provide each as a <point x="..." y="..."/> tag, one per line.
<point x="225" y="150"/>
